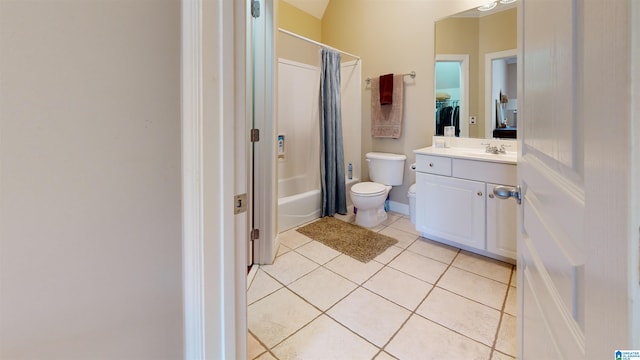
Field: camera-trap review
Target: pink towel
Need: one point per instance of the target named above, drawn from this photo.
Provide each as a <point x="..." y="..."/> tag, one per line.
<point x="386" y="89"/>
<point x="386" y="121"/>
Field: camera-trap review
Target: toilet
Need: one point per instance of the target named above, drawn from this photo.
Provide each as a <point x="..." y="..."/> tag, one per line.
<point x="385" y="170"/>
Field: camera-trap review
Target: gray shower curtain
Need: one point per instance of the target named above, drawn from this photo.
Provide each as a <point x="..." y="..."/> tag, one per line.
<point x="334" y="194"/>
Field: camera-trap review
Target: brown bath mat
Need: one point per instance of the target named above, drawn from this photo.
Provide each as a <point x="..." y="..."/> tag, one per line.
<point x="353" y="240"/>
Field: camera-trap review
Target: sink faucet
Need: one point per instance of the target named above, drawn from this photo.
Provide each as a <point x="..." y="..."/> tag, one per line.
<point x="493" y="149"/>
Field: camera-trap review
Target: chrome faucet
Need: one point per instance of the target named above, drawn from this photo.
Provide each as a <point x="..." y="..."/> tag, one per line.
<point x="493" y="149"/>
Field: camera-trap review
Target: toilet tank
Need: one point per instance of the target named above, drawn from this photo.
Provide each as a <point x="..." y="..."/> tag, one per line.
<point x="385" y="168"/>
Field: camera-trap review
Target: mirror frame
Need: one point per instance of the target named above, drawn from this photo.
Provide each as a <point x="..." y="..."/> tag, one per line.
<point x="488" y="74"/>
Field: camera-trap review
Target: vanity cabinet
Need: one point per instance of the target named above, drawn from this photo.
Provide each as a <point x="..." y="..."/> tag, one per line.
<point x="455" y="204"/>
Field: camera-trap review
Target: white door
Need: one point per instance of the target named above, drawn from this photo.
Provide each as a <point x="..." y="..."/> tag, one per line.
<point x="551" y="254"/>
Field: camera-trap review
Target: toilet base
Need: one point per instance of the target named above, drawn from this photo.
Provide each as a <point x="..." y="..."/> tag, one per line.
<point x="371" y="218"/>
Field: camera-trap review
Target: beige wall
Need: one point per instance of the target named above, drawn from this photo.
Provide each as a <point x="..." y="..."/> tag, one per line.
<point x="393" y="37"/>
<point x="90" y="195"/>
<point x="299" y="22"/>
<point x="295" y="20"/>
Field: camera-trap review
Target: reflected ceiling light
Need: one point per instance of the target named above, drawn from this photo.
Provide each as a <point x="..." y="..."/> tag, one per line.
<point x="505" y="2"/>
<point x="488" y="6"/>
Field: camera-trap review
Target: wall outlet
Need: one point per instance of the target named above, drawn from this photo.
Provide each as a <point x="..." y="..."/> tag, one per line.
<point x="472" y="120"/>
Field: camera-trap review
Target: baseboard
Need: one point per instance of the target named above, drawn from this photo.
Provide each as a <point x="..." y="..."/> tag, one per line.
<point x="399" y="207"/>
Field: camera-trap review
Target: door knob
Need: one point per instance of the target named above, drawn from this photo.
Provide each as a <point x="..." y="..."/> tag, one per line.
<point x="505" y="192"/>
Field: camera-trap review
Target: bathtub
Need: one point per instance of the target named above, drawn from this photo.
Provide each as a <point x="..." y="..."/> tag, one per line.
<point x="295" y="210"/>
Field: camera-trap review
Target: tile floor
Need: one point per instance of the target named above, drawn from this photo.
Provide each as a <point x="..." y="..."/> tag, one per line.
<point x="417" y="300"/>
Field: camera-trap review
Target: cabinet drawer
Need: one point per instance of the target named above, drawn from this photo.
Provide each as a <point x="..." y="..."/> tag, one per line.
<point x="433" y="164"/>
<point x="486" y="171"/>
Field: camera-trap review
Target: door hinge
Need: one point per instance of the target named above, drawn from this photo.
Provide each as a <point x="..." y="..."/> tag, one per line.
<point x="255" y="135"/>
<point x="255" y="234"/>
<point x="255" y="8"/>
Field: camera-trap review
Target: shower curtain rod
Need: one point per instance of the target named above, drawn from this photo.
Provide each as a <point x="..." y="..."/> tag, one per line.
<point x="317" y="43"/>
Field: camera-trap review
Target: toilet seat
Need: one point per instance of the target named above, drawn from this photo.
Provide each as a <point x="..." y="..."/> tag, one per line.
<point x="368" y="189"/>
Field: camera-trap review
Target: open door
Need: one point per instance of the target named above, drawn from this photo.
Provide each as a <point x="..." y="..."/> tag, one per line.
<point x="574" y="169"/>
<point x="550" y="171"/>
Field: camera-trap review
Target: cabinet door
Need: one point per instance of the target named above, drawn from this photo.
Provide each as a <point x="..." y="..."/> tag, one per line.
<point x="451" y="209"/>
<point x="502" y="224"/>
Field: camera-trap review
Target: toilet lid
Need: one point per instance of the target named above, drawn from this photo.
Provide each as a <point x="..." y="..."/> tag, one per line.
<point x="368" y="189"/>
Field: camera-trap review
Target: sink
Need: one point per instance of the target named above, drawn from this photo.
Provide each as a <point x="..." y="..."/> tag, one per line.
<point x="486" y="155"/>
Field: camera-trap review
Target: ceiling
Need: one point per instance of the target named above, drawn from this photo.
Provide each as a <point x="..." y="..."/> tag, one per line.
<point x="315" y="8"/>
<point x="475" y="13"/>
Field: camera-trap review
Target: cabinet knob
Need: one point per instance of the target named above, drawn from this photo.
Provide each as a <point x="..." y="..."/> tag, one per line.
<point x="479" y="193"/>
<point x="491" y="196"/>
<point x="430" y="164"/>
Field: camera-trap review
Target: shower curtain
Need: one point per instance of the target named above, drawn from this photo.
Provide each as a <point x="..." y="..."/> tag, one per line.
<point x="334" y="195"/>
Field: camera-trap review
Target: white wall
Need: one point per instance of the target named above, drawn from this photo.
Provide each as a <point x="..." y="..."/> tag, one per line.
<point x="299" y="122"/>
<point x="90" y="199"/>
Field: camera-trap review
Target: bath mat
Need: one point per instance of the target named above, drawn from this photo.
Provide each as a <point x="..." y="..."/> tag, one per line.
<point x="353" y="240"/>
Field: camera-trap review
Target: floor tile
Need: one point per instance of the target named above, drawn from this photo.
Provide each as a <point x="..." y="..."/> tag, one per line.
<point x="279" y="315"/>
<point x="261" y="286"/>
<point x="462" y="315"/>
<point x="324" y="338"/>
<point x="384" y="356"/>
<point x="405" y="225"/>
<point x="391" y="218"/>
<point x="506" y="341"/>
<point x="511" y="306"/>
<point x="474" y="287"/>
<point x="254" y="348"/>
<point x="481" y="265"/>
<point x="388" y="255"/>
<point x="282" y="250"/>
<point x="423" y="339"/>
<point x="418" y="266"/>
<point x="404" y="238"/>
<point x="350" y="217"/>
<point x="289" y="267"/>
<point x="322" y="288"/>
<point x="398" y="287"/>
<point x="266" y="356"/>
<point x="500" y="356"/>
<point x="292" y="239"/>
<point x="352" y="269"/>
<point x="317" y="252"/>
<point x="434" y="250"/>
<point x="378" y="228"/>
<point x="369" y="315"/>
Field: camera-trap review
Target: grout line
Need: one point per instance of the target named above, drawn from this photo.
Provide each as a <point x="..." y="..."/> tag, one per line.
<point x="420" y="303"/>
<point x="504" y="304"/>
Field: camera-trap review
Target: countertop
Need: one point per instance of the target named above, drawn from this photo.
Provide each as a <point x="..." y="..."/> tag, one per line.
<point x="511" y="157"/>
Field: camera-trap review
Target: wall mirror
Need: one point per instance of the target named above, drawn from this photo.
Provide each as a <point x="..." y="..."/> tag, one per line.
<point x="475" y="72"/>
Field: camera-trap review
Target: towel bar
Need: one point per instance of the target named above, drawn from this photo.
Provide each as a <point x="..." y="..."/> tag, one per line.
<point x="412" y="74"/>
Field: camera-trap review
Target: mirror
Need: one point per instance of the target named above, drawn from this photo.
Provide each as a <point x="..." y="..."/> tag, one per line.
<point x="470" y="47"/>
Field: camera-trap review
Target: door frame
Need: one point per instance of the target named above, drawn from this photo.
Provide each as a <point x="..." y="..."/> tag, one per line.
<point x="214" y="260"/>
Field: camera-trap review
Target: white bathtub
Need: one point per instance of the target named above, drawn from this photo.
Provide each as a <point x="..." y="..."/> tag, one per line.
<point x="298" y="209"/>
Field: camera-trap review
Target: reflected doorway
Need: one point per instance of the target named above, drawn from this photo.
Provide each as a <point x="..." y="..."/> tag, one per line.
<point x="452" y="93"/>
<point x="501" y="92"/>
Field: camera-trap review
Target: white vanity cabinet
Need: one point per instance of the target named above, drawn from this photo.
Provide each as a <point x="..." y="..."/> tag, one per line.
<point x="455" y="204"/>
